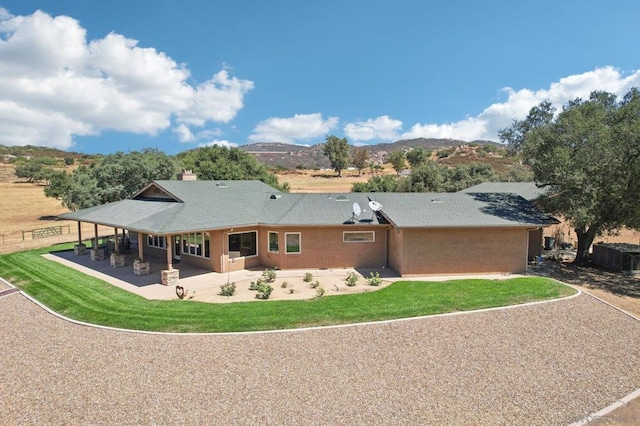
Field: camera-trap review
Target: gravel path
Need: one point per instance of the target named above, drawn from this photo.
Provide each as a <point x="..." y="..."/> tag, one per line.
<point x="551" y="363"/>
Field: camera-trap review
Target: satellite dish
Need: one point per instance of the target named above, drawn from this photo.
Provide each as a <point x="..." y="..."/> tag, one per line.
<point x="357" y="211"/>
<point x="375" y="206"/>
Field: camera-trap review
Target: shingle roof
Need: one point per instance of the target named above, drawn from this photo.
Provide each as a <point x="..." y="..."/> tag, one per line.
<point x="446" y="210"/>
<point x="527" y="190"/>
<point x="205" y="205"/>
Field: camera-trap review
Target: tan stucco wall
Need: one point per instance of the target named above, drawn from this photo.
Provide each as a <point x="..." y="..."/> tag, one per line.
<point x="463" y="251"/>
<point x="396" y="250"/>
<point x="323" y="247"/>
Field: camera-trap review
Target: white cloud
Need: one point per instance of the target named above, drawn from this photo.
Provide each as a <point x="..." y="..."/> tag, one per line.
<point x="185" y="134"/>
<point x="220" y="143"/>
<point x="293" y="129"/>
<point x="500" y="115"/>
<point x="55" y="85"/>
<point x="381" y="128"/>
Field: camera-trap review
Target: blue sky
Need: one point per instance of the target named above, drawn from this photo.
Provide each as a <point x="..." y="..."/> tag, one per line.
<point x="99" y="77"/>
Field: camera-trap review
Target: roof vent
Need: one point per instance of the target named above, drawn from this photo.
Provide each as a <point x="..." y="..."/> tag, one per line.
<point x="436" y="200"/>
<point x="342" y="198"/>
<point x="275" y="196"/>
<point x="221" y="185"/>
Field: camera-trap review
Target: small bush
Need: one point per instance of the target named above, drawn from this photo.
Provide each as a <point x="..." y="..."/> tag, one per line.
<point x="284" y="284"/>
<point x="352" y="279"/>
<point x="228" y="289"/>
<point x="292" y="290"/>
<point x="269" y="275"/>
<point x="374" y="279"/>
<point x="254" y="284"/>
<point x="320" y="292"/>
<point x="264" y="291"/>
<point x="314" y="284"/>
<point x="308" y="277"/>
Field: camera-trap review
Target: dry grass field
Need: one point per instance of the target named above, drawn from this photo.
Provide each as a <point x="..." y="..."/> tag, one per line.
<point x="24" y="208"/>
<point x="326" y="181"/>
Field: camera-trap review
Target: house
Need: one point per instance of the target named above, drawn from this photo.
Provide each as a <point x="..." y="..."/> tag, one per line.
<point x="232" y="225"/>
<point x="527" y="190"/>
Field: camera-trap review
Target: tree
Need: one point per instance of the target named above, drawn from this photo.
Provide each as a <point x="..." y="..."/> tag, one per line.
<point x="588" y="159"/>
<point x="416" y="157"/>
<point x="29" y="170"/>
<point x="427" y="177"/>
<point x="386" y="183"/>
<point x="337" y="150"/>
<point x="360" y="159"/>
<point x="222" y="163"/>
<point x="111" y="178"/>
<point x="397" y="161"/>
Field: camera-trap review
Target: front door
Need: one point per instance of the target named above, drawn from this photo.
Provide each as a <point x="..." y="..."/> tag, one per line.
<point x="177" y="242"/>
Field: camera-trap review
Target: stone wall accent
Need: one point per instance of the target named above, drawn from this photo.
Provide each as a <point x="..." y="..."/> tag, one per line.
<point x="97" y="254"/>
<point x="140" y="268"/>
<point x="117" y="260"/>
<point x="170" y="276"/>
<point x="80" y="249"/>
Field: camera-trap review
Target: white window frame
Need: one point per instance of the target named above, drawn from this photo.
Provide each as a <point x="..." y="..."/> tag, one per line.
<point x="372" y="240"/>
<point x="277" y="250"/>
<point x="187" y="250"/>
<point x="154" y="241"/>
<point x="286" y="245"/>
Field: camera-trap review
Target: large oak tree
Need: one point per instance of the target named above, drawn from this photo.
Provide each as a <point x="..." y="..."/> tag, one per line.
<point x="587" y="157"/>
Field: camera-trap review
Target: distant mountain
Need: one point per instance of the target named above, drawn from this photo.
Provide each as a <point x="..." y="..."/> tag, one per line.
<point x="310" y="157"/>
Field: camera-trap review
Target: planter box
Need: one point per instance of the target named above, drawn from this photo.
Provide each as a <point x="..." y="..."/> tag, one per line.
<point x="97" y="254"/>
<point x="140" y="268"/>
<point x="170" y="277"/>
<point x="80" y="249"/>
<point x="117" y="260"/>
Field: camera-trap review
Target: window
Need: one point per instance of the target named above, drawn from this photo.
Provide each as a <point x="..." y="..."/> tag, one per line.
<point x="358" y="237"/>
<point x="292" y="242"/>
<point x="196" y="244"/>
<point x="243" y="244"/>
<point x="155" y="241"/>
<point x="273" y="242"/>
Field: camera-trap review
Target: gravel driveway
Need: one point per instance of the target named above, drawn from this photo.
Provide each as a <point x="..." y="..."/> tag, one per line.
<point x="550" y="363"/>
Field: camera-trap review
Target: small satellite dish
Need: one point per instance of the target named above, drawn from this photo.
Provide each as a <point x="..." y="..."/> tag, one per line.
<point x="357" y="211"/>
<point x="375" y="206"/>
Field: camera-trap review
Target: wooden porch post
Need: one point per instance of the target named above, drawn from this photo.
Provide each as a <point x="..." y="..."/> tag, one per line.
<point x="140" y="246"/>
<point x="169" y="241"/>
<point x="95" y="233"/>
<point x="79" y="232"/>
<point x="115" y="236"/>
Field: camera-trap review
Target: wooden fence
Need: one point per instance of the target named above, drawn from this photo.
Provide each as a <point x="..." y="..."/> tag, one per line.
<point x="49" y="231"/>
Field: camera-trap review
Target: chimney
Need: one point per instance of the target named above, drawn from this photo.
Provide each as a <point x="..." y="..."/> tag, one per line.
<point x="187" y="175"/>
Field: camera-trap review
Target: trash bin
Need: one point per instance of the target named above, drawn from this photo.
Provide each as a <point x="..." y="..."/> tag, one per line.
<point x="549" y="242"/>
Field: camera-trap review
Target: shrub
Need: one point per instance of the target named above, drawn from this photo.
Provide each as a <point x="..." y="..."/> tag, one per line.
<point x="352" y="279"/>
<point x="269" y="275"/>
<point x="314" y="284"/>
<point x="319" y="292"/>
<point x="292" y="290"/>
<point x="308" y="277"/>
<point x="374" y="280"/>
<point x="254" y="284"/>
<point x="228" y="289"/>
<point x="264" y="291"/>
<point x="284" y="284"/>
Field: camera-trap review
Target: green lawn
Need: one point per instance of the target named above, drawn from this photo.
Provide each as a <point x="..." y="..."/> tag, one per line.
<point x="89" y="299"/>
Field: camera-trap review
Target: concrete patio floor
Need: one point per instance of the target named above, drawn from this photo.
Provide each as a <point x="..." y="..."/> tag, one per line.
<point x="204" y="285"/>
